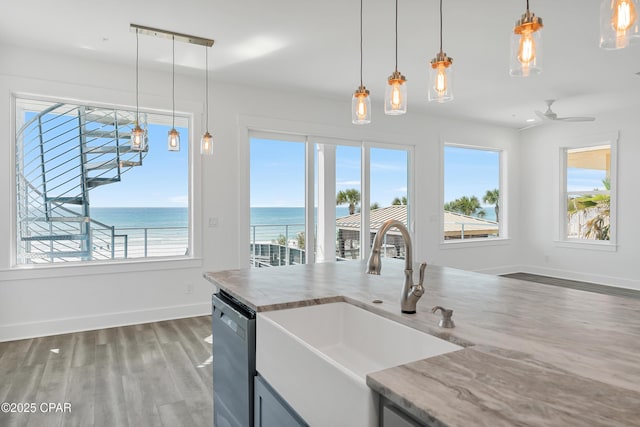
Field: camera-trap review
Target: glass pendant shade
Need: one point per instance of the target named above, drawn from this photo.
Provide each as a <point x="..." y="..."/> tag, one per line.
<point x="618" y="23"/>
<point x="395" y="95"/>
<point x="526" y="46"/>
<point x="441" y="78"/>
<point x="138" y="139"/>
<point x="206" y="144"/>
<point x="361" y="107"/>
<point x="173" y="140"/>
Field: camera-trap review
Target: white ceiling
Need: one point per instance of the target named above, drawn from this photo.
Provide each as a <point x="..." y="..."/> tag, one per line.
<point x="314" y="46"/>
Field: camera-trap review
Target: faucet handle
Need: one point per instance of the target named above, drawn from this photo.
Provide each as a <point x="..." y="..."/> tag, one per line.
<point x="446" y="321"/>
<point x="423" y="266"/>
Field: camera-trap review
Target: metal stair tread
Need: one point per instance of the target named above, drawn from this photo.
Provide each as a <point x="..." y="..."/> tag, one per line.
<point x="61" y="254"/>
<point x="56" y="237"/>
<point x="106" y="134"/>
<point x="78" y="218"/>
<point x="107" y="119"/>
<point x="112" y="149"/>
<point x="77" y="200"/>
<point x="94" y="182"/>
<point x="111" y="164"/>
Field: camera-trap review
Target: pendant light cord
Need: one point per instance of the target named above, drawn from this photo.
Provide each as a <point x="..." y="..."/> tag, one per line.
<point x="396" y="35"/>
<point x="206" y="75"/>
<point x="137" y="99"/>
<point x="173" y="83"/>
<point x="527" y="5"/>
<point x="361" y="43"/>
<point x="440" y="25"/>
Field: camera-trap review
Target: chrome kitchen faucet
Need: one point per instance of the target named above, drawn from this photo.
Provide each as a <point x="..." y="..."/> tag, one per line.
<point x="410" y="293"/>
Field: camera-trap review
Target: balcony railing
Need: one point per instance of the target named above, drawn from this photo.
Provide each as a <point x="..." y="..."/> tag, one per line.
<point x="144" y="242"/>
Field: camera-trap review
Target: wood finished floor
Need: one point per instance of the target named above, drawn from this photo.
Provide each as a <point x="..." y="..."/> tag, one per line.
<point x="153" y="374"/>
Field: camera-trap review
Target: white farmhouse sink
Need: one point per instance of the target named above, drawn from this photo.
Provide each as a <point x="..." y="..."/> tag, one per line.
<point x="317" y="358"/>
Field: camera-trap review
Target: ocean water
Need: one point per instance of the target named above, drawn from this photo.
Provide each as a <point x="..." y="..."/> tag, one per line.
<point x="179" y="217"/>
<point x="142" y="217"/>
<point x="150" y="232"/>
<point x="267" y="223"/>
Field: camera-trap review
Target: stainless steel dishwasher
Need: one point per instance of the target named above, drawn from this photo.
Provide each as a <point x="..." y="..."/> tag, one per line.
<point x="234" y="361"/>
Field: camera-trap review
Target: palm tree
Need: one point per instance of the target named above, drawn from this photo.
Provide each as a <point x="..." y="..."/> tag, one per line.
<point x="465" y="205"/>
<point x="399" y="201"/>
<point x="374" y="206"/>
<point x="493" y="198"/>
<point x="351" y="197"/>
<point x="597" y="227"/>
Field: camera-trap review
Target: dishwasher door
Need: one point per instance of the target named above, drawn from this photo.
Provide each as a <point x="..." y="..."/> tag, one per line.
<point x="234" y="362"/>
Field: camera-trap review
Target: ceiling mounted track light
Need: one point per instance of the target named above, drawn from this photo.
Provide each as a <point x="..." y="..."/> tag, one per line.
<point x="526" y="45"/>
<point x="440" y="80"/>
<point x="173" y="137"/>
<point x="361" y="102"/>
<point x="138" y="135"/>
<point x="206" y="143"/>
<point x="618" y="23"/>
<point x="395" y="97"/>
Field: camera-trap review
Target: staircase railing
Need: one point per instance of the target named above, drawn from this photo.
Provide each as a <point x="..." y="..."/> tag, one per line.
<point x="63" y="151"/>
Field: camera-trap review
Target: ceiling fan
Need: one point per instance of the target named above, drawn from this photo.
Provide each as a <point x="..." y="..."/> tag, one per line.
<point x="551" y="115"/>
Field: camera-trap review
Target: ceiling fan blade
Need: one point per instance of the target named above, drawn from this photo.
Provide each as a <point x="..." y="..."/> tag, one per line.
<point x="576" y="119"/>
<point x="532" y="125"/>
<point x="541" y="115"/>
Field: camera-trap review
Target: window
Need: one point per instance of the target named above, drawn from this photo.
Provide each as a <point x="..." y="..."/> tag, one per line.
<point x="388" y="188"/>
<point x="277" y="202"/>
<point x="348" y="198"/>
<point x="587" y="199"/>
<point x="472" y="197"/>
<point x="84" y="195"/>
<point x="280" y="182"/>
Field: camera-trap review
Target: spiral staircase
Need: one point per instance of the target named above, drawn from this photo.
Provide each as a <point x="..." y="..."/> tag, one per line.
<point x="63" y="152"/>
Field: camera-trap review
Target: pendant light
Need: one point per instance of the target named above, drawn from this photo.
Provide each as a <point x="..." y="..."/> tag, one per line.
<point x="618" y="23"/>
<point x="361" y="103"/>
<point x="138" y="137"/>
<point x="440" y="75"/>
<point x="206" y="143"/>
<point x="526" y="45"/>
<point x="173" y="139"/>
<point x="395" y="96"/>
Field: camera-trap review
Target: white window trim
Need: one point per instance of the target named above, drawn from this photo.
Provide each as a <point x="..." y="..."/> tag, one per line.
<point x="194" y="258"/>
<point x="562" y="241"/>
<point x="503" y="217"/>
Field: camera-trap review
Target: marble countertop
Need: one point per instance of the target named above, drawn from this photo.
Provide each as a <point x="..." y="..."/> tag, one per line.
<point x="535" y="355"/>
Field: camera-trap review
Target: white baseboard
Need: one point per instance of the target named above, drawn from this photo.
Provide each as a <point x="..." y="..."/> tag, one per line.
<point x="109" y="320"/>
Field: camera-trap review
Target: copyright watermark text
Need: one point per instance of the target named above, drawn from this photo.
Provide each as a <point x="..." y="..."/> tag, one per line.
<point x="35" y="407"/>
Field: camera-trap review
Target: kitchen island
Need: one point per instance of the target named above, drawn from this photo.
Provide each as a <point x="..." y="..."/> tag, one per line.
<point x="534" y="355"/>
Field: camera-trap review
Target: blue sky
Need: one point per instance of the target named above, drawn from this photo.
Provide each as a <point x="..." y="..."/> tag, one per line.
<point x="470" y="172"/>
<point x="277" y="177"/>
<point x="161" y="181"/>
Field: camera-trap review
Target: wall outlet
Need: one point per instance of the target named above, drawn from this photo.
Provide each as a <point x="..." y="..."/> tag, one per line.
<point x="188" y="289"/>
<point x="213" y="222"/>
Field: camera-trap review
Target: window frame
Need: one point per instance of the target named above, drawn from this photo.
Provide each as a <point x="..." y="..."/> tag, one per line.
<point x="79" y="268"/>
<point x="252" y="127"/>
<point x="503" y="217"/>
<point x="562" y="238"/>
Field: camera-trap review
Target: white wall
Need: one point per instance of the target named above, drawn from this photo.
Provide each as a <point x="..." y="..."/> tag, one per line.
<point x="539" y="163"/>
<point x="61" y="298"/>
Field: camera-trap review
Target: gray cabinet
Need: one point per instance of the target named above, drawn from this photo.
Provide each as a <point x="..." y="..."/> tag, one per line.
<point x="392" y="416"/>
<point x="271" y="410"/>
